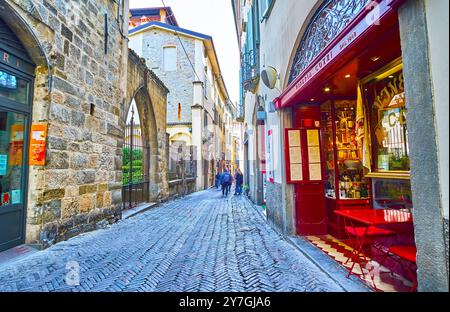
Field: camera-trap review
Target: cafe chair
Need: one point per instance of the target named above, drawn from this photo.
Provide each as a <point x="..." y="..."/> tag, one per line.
<point x="364" y="237"/>
<point x="406" y="256"/>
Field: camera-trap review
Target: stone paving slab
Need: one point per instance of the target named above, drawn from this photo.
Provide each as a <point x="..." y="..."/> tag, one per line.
<point x="202" y="242"/>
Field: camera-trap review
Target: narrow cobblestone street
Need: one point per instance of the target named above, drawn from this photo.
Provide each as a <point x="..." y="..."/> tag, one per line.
<point x="198" y="243"/>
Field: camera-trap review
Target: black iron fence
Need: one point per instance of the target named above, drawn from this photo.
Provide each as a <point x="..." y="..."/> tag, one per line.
<point x="135" y="166"/>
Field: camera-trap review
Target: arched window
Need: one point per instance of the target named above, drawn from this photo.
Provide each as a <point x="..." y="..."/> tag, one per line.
<point x="169" y="59"/>
<point x="326" y="24"/>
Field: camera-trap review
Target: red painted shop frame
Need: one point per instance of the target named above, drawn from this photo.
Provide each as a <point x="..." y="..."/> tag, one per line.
<point x="304" y="156"/>
<point x="355" y="34"/>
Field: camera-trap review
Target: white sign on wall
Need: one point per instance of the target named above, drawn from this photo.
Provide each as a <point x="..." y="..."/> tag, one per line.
<point x="269" y="157"/>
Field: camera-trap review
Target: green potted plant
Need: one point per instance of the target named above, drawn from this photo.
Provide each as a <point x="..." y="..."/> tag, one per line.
<point x="246" y="190"/>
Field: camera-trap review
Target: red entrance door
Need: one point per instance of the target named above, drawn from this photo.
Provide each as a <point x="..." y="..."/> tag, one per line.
<point x="310" y="204"/>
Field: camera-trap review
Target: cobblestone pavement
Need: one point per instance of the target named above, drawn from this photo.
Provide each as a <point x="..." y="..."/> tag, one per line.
<point x="198" y="243"/>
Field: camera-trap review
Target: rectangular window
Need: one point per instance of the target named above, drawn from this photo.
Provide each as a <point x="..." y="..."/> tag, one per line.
<point x="169" y="59"/>
<point x="14" y="88"/>
<point x="386" y="97"/>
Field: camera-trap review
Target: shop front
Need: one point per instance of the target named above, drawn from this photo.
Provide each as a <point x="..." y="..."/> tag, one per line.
<point x="347" y="153"/>
<point x="16" y="85"/>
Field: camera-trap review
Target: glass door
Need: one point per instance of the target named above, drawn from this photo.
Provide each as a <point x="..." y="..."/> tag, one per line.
<point x="12" y="173"/>
<point x="15" y="109"/>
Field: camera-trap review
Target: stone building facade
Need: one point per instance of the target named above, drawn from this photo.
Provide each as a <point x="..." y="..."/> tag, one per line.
<point x="187" y="63"/>
<point x="421" y="37"/>
<point x="80" y="52"/>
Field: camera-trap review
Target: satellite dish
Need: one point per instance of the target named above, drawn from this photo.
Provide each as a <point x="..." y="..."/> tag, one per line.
<point x="269" y="77"/>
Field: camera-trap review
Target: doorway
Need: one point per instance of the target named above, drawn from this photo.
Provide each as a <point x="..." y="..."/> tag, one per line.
<point x="136" y="162"/>
<point x="15" y="110"/>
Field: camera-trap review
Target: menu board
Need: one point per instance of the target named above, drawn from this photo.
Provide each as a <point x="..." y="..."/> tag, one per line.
<point x="315" y="161"/>
<point x="295" y="155"/>
<point x="315" y="172"/>
<point x="294" y="137"/>
<point x="296" y="172"/>
<point x="314" y="154"/>
<point x="313" y="138"/>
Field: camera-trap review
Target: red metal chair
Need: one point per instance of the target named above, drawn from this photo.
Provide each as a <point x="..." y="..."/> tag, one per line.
<point x="364" y="237"/>
<point x="407" y="255"/>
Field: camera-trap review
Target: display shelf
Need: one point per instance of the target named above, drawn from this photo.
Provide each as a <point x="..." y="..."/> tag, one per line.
<point x="339" y="136"/>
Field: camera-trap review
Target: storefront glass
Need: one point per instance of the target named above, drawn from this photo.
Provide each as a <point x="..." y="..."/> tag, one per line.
<point x="12" y="127"/>
<point x="386" y="100"/>
<point x="14" y="88"/>
<point x="393" y="194"/>
<point x="346" y="174"/>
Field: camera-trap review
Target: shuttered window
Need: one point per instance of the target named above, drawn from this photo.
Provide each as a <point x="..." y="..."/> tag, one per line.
<point x="265" y="8"/>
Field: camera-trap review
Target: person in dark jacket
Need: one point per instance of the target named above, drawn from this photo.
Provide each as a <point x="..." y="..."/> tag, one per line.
<point x="239" y="177"/>
<point x="226" y="180"/>
<point x="217" y="182"/>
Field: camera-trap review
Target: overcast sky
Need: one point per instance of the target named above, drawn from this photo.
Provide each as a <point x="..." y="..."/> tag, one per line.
<point x="210" y="17"/>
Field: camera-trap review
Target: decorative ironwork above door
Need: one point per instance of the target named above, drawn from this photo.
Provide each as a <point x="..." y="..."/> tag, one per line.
<point x="329" y="20"/>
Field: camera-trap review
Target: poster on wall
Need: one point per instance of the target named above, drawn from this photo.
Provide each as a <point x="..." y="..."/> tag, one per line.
<point x="6" y="199"/>
<point x="269" y="158"/>
<point x="15" y="197"/>
<point x="3" y="164"/>
<point x="37" y="144"/>
<point x="16" y="145"/>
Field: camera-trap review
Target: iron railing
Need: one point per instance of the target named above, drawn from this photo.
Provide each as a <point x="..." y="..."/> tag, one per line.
<point x="250" y="70"/>
<point x="135" y="167"/>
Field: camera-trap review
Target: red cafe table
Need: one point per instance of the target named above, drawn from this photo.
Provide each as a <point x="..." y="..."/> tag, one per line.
<point x="368" y="226"/>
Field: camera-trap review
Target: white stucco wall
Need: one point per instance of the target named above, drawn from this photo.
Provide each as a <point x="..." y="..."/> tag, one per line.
<point x="437" y="12"/>
<point x="135" y="43"/>
<point x="279" y="36"/>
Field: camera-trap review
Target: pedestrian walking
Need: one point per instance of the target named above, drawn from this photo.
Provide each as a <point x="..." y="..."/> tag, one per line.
<point x="217" y="180"/>
<point x="239" y="182"/>
<point x="226" y="180"/>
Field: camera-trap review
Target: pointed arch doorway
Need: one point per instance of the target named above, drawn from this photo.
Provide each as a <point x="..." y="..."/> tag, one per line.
<point x="135" y="162"/>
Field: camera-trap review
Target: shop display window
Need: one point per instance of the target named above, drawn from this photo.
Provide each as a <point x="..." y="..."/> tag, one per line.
<point x="345" y="172"/>
<point x="386" y="98"/>
<point x="392" y="194"/>
<point x="12" y="127"/>
<point x="386" y="106"/>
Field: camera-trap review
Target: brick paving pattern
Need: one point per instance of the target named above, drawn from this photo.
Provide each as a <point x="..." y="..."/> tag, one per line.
<point x="199" y="243"/>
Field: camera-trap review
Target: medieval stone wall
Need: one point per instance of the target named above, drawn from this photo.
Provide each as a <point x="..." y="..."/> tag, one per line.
<point x="80" y="94"/>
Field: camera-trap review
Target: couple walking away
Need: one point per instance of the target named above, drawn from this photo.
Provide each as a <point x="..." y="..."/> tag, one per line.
<point x="226" y="180"/>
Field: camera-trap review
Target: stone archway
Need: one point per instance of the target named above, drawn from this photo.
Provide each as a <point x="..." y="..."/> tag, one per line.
<point x="150" y="95"/>
<point x="37" y="42"/>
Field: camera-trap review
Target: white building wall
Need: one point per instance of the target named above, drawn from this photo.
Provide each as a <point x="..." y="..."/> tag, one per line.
<point x="135" y="44"/>
<point x="437" y="24"/>
<point x="279" y="37"/>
